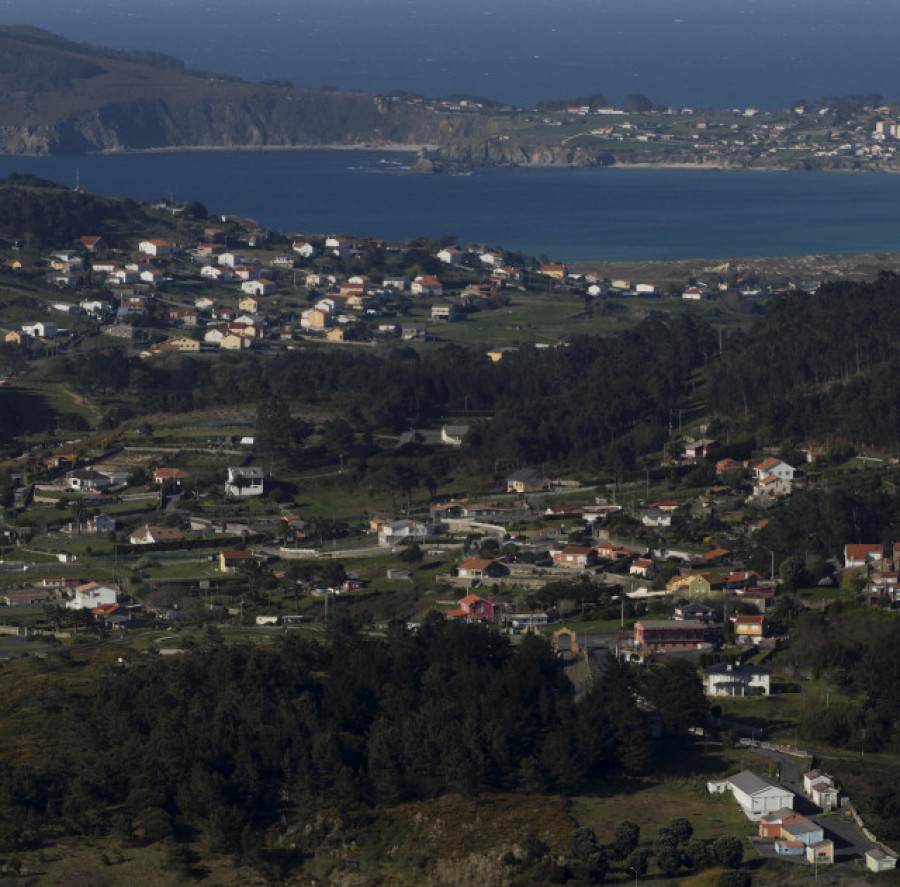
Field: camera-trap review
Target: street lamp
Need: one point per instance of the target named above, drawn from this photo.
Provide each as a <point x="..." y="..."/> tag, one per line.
<point x="631" y="869"/>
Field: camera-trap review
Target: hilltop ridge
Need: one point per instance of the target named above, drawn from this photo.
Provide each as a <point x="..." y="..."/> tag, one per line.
<point x="60" y="97"/>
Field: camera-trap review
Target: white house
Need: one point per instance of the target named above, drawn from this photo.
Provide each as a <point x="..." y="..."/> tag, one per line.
<point x="214" y="336"/>
<point x="86" y="480"/>
<point x="773" y="467"/>
<point x="216" y="272"/>
<point x="40" y="330"/>
<point x="426" y="285"/>
<point x="92" y="595"/>
<point x="243" y="482"/>
<point x="156" y="248"/>
<point x="450" y="256"/>
<point x="862" y="554"/>
<point x="656" y="517"/>
<point x="820" y="788"/>
<point x="454" y="434"/>
<point x="96" y="307"/>
<point x="304" y="249"/>
<point x="230" y="260"/>
<point x="730" y="679"/>
<point x="757" y="795"/>
<point x="396" y="282"/>
<point x="391" y="533"/>
<point x="258" y="287"/>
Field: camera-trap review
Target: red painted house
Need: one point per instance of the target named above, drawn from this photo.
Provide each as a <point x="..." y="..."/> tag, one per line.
<point x="473" y="608"/>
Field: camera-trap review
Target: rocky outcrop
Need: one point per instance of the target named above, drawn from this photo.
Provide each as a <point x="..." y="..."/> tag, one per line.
<point x="505" y="152"/>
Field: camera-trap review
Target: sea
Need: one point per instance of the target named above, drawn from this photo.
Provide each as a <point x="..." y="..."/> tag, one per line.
<point x="612" y="214"/>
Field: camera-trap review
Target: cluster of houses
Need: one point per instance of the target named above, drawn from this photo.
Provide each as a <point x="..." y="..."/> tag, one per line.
<point x="773" y="808"/>
<point x="771" y="805"/>
<point x="135" y="283"/>
<point x="104" y="602"/>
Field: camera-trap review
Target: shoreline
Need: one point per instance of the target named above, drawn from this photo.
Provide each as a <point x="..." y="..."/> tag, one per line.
<point x="248" y="149"/>
<point x="405" y="148"/>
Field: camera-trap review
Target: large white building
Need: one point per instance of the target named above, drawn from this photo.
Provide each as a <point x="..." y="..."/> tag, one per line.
<point x="755" y="794"/>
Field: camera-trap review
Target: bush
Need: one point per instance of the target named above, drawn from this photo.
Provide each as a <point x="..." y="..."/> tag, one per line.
<point x="729" y="851"/>
<point x="734" y="879"/>
<point x="625" y="838"/>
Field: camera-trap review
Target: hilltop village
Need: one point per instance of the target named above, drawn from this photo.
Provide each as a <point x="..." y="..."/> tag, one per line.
<point x="222" y="441"/>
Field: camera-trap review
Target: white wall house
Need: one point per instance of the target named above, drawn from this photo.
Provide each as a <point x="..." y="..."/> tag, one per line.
<point x="728" y="679"/>
<point x="243" y="482"/>
<point x="92" y="595"/>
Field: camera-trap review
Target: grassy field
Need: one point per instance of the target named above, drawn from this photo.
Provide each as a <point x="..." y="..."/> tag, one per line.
<point x="533" y="318"/>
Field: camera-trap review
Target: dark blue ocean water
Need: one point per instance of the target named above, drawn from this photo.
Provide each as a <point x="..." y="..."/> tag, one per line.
<point x="564" y="214"/>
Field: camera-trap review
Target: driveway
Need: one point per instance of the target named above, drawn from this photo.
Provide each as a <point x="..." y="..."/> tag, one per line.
<point x="849" y="841"/>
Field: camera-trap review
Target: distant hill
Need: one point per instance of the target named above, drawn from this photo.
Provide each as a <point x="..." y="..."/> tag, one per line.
<point x="60" y="97"/>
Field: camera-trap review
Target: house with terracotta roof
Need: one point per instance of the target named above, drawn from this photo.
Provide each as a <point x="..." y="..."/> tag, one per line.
<point x="92" y="242"/>
<point x="771" y="487"/>
<point x="303" y="248"/>
<point x="173" y="475"/>
<point x="450" y="256"/>
<point x="725" y="467"/>
<point x="643" y="567"/>
<point x="770" y="823"/>
<point x="184" y="316"/>
<point x="775" y="468"/>
<point x="92" y="594"/>
<point x="558" y="271"/>
<point x="426" y="285"/>
<point x="156" y="247"/>
<point x="184" y="344"/>
<point x="578" y="556"/>
<point x="149" y="535"/>
<point x="478" y="568"/>
<point x="862" y="554"/>
<point x="473" y="608"/>
<point x="691" y="585"/>
<point x="612" y="551"/>
<point x="749" y="627"/>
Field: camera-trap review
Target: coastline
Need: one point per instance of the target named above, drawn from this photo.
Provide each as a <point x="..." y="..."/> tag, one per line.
<point x="249" y="149"/>
<point x="418" y="148"/>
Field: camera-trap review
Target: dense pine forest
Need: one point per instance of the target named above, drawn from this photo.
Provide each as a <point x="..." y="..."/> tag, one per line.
<point x="229" y="737"/>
